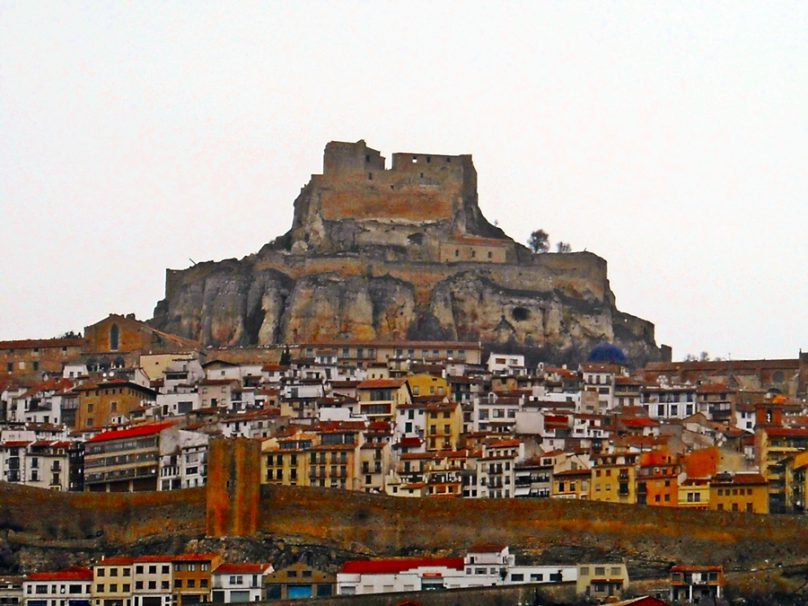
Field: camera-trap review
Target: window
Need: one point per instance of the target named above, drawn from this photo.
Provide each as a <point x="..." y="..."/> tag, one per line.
<point x="113" y="337"/>
<point x="101" y="572"/>
<point x="99" y="588"/>
<point x="517" y="578"/>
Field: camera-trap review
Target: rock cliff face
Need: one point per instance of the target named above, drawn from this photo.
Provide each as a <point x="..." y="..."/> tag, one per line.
<point x="400" y="253"/>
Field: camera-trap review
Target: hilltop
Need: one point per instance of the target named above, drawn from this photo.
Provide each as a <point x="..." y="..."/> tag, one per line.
<point x="377" y="253"/>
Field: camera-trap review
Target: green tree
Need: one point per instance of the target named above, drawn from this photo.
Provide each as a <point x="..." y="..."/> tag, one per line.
<point x="539" y="241"/>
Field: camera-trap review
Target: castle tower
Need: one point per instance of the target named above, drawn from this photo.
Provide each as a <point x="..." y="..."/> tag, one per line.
<point x="233" y="487"/>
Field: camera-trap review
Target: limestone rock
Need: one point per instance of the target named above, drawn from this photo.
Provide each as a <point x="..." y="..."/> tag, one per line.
<point x="397" y="253"/>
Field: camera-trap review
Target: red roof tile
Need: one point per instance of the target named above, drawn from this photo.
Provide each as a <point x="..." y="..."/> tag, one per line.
<point x="396" y="566"/>
<point x="132" y="432"/>
<point x="71" y="574"/>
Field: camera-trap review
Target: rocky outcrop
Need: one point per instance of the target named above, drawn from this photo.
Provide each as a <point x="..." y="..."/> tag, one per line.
<point x="400" y="253"/>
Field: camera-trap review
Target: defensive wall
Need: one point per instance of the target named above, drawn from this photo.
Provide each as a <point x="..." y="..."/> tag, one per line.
<point x="380" y="525"/>
<point x="546" y="530"/>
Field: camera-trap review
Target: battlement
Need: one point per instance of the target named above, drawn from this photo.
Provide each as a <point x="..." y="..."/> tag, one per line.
<point x="343" y="158"/>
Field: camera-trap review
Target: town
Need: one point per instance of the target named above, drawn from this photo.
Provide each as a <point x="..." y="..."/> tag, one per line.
<point x="129" y="408"/>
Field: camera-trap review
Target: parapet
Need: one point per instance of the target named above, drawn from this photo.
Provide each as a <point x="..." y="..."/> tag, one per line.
<point x="342" y="157"/>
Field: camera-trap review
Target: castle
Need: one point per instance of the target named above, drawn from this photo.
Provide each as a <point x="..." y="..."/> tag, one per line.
<point x="425" y="205"/>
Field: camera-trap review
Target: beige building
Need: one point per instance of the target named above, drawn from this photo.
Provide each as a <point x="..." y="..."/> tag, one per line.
<point x="299" y="581"/>
<point x="153" y="581"/>
<point x="113" y="582"/>
<point x="601" y="581"/>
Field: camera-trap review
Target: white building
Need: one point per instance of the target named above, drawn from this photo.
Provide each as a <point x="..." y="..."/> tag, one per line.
<point x="484" y="565"/>
<point x="65" y="588"/>
<point x="183" y="460"/>
<point x="509" y="364"/>
<point x="239" y="582"/>
<point x="389" y="576"/>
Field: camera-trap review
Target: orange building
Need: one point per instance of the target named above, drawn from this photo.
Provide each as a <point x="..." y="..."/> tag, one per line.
<point x="657" y="479"/>
<point x="118" y="333"/>
<point x="31" y="357"/>
<point x="192" y="577"/>
<point x="100" y="403"/>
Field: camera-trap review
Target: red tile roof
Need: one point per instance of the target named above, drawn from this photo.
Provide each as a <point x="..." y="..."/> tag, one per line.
<point x="396" y="566"/>
<point x="71" y="574"/>
<point x="133" y="432"/>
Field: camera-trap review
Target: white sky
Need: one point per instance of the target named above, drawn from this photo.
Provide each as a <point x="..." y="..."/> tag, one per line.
<point x="671" y="138"/>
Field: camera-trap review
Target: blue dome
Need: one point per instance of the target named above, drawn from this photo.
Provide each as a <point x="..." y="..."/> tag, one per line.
<point x="606" y="353"/>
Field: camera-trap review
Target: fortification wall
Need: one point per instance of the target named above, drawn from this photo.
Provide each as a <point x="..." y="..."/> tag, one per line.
<point x="120" y="518"/>
<point x="381" y="525"/>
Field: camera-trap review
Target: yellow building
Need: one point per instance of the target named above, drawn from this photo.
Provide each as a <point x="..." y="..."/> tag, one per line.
<point x="284" y="460"/>
<point x="614" y="478"/>
<point x="379" y="398"/>
<point x="571" y="484"/>
<point x="425" y="384"/>
<point x="327" y="459"/>
<point x="444" y="424"/>
<point x="796" y="481"/>
<point x="773" y="445"/>
<point x="746" y="492"/>
<point x="694" y="493"/>
<point x="374" y="464"/>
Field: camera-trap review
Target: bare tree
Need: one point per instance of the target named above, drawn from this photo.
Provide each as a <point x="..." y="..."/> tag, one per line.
<point x="563" y="247"/>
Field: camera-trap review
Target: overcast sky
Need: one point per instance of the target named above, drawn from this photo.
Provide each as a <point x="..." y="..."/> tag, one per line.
<point x="670" y="138"/>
